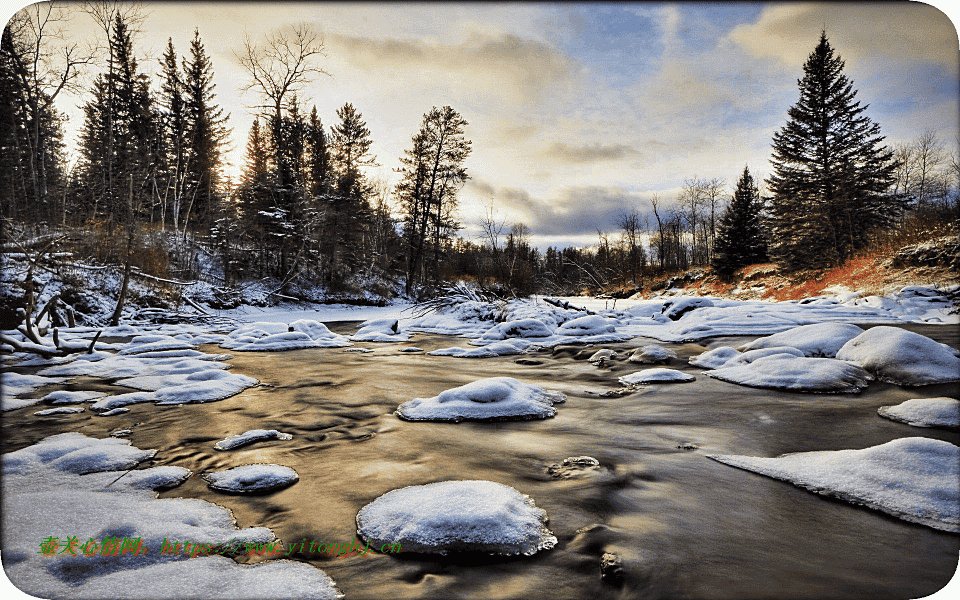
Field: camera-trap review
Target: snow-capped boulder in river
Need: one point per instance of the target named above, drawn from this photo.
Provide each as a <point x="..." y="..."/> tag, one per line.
<point x="902" y="357"/>
<point x="590" y="325"/>
<point x="817" y="339"/>
<point x="491" y="399"/>
<point x="456" y="516"/>
<point x="251" y="478"/>
<point x="785" y="371"/>
<point x="674" y="309"/>
<point x="925" y="412"/>
<point x="521" y="328"/>
<point x="652" y="354"/>
<point x="380" y="330"/>
<point x="264" y="336"/>
<point x="914" y="478"/>
<point x="659" y="375"/>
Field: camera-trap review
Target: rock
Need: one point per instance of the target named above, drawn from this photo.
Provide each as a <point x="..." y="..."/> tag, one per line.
<point x="611" y="569"/>
<point x="574" y="466"/>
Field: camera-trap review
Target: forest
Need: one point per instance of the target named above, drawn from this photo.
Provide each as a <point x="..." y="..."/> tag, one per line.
<point x="146" y="191"/>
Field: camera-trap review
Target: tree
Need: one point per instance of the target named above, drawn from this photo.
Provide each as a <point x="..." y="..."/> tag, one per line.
<point x="740" y="234"/>
<point x="174" y="127"/>
<point x="831" y="173"/>
<point x="433" y="174"/>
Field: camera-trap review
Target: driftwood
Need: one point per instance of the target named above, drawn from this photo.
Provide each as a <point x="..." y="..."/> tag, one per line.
<point x="45" y="351"/>
<point x="567" y="305"/>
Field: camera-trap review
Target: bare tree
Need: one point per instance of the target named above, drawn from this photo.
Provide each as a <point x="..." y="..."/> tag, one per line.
<point x="930" y="162"/>
<point x="661" y="243"/>
<point x="632" y="225"/>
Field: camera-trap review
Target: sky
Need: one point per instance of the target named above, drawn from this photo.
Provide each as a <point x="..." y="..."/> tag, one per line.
<point x="577" y="112"/>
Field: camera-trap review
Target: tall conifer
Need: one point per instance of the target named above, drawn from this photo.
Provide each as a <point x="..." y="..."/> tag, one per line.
<point x="831" y="173"/>
<point x="740" y="236"/>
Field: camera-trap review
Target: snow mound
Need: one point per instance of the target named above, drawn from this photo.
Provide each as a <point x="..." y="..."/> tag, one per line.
<point x="914" y="479"/>
<point x="655" y="376"/>
<point x="65" y="397"/>
<point x="76" y="453"/>
<point x="269" y="337"/>
<point x="715" y="358"/>
<point x="601" y="356"/>
<point x="154" y="343"/>
<point x="675" y="309"/>
<point x="60" y="410"/>
<point x="456" y="516"/>
<point x="251" y="478"/>
<point x="925" y="412"/>
<point x="902" y="357"/>
<point x="504" y="348"/>
<point x="380" y="330"/>
<point x="816" y="339"/>
<point x="40" y="501"/>
<point x="494" y="398"/>
<point x="15" y="384"/>
<point x="652" y="355"/>
<point x="249" y="437"/>
<point x="520" y="328"/>
<point x="590" y="325"/>
<point x="785" y="371"/>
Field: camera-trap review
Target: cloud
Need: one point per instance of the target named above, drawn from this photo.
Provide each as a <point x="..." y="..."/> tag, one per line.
<point x="590" y="152"/>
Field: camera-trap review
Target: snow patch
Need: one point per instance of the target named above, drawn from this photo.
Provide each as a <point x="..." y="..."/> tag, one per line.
<point x="494" y="398"/>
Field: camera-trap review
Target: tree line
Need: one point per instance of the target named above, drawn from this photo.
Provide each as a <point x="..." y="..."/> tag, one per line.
<point x="149" y="170"/>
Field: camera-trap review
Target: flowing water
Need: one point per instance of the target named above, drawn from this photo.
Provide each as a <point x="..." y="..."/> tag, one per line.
<point x="685" y="526"/>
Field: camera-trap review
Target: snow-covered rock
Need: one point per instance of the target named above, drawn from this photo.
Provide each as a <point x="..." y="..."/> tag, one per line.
<point x="816" y="339"/>
<point x="587" y="326"/>
<point x="60" y="410"/>
<point x="41" y="500"/>
<point x="503" y="348"/>
<point x="785" y="371"/>
<point x="914" y="478"/>
<point x="75" y="453"/>
<point x="659" y="375"/>
<point x="249" y="437"/>
<point x="67" y="397"/>
<point x="521" y="328"/>
<point x="652" y="354"/>
<point x="902" y="357"/>
<point x="456" y="516"/>
<point x="154" y="343"/>
<point x="675" y="309"/>
<point x="251" y="478"/>
<point x="715" y="358"/>
<point x="380" y="330"/>
<point x="602" y="356"/>
<point x="925" y="412"/>
<point x="265" y="336"/>
<point x="494" y="398"/>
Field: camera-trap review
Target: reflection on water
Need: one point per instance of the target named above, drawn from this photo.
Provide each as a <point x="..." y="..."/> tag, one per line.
<point x="685" y="526"/>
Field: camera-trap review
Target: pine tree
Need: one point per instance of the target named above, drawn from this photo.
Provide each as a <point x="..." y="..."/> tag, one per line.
<point x="740" y="236"/>
<point x="174" y="120"/>
<point x="206" y="131"/>
<point x="831" y="173"/>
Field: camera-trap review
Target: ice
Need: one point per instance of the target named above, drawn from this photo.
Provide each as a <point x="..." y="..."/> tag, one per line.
<point x="786" y="371"/>
<point x="251" y="478"/>
<point x="265" y="336"/>
<point x="902" y="357"/>
<point x="380" y="330"/>
<point x="652" y="354"/>
<point x="249" y="437"/>
<point x="456" y="516"/>
<point x="61" y="410"/>
<point x="925" y="412"/>
<point x="40" y="501"/>
<point x="494" y="398"/>
<point x="817" y="339"/>
<point x="913" y="478"/>
<point x="655" y="376"/>
<point x="15" y="384"/>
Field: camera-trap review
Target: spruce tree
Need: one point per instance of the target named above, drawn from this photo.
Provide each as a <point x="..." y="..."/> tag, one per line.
<point x="831" y="172"/>
<point x="740" y="236"/>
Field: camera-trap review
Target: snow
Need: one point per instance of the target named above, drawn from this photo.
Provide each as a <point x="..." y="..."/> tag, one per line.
<point x="456" y="516"/>
<point x="42" y="497"/>
<point x="652" y="354"/>
<point x="504" y="348"/>
<point x="592" y="325"/>
<point x="75" y="453"/>
<point x="714" y="358"/>
<point x="817" y="339"/>
<point x="494" y="398"/>
<point x="523" y="328"/>
<point x="66" y="397"/>
<point x="655" y="376"/>
<point x="675" y="309"/>
<point x="601" y="356"/>
<point x="249" y="437"/>
<point x="16" y="384"/>
<point x="925" y="412"/>
<point x="154" y="343"/>
<point x="266" y="336"/>
<point x="251" y="478"/>
<point x="914" y="478"/>
<point x="62" y="410"/>
<point x="786" y="371"/>
<point x="380" y="330"/>
<point x="902" y="357"/>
